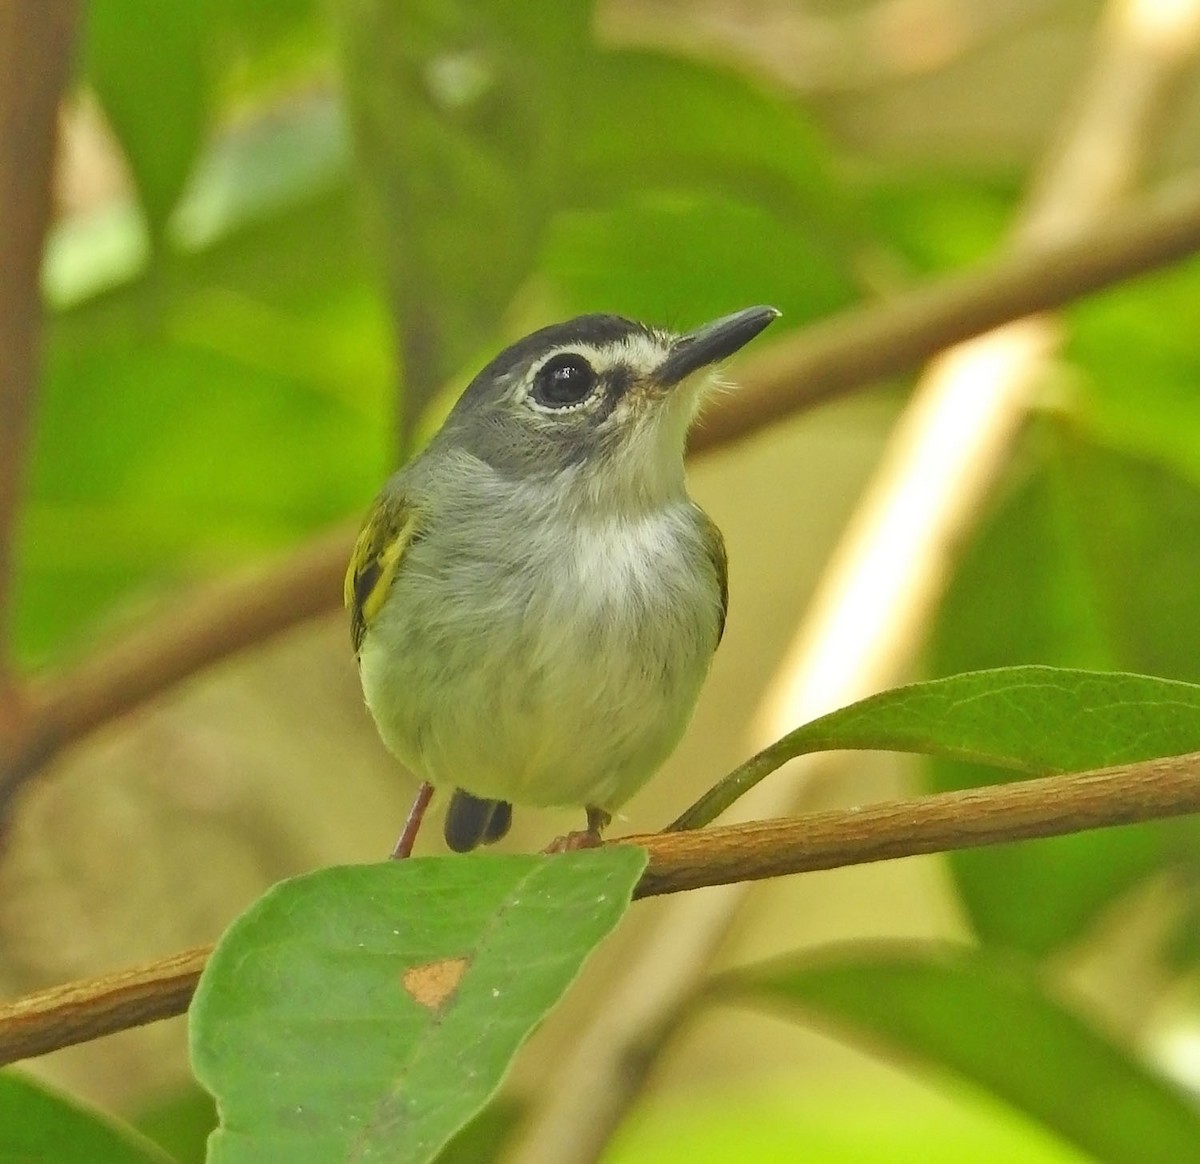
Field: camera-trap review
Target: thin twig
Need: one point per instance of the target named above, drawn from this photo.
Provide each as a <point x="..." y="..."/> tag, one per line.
<point x="1050" y="806"/>
<point x="36" y="43"/>
<point x="829" y="359"/>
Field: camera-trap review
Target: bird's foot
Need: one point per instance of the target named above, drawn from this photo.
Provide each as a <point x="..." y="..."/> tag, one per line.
<point x="589" y="838"/>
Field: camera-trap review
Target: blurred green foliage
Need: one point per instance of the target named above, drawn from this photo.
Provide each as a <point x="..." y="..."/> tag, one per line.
<point x="986" y="1019"/>
<point x="38" y="1125"/>
<point x="237" y="355"/>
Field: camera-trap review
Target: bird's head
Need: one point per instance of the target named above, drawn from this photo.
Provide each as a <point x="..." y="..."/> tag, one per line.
<point x="600" y="404"/>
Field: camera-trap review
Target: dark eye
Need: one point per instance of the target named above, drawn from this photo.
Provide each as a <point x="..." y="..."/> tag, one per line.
<point x="563" y="380"/>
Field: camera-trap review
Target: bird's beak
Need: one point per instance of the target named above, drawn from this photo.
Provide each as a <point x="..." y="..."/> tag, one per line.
<point x="712" y="342"/>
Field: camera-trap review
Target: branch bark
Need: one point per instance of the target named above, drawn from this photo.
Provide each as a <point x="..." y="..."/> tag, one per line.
<point x="821" y="362"/>
<point x="995" y="814"/>
<point x="36" y="43"/>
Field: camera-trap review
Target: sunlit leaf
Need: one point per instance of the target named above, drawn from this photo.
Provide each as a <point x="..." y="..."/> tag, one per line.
<point x="650" y="120"/>
<point x="937" y="221"/>
<point x="834" y="1120"/>
<point x="1134" y="346"/>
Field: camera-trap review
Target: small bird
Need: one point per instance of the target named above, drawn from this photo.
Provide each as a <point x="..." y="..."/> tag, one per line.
<point x="534" y="598"/>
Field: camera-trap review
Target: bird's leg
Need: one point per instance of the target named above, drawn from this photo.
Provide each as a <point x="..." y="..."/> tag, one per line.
<point x="412" y="823"/>
<point x="589" y="838"/>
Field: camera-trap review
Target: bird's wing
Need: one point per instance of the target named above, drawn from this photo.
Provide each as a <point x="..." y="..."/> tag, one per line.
<point x="714" y="543"/>
<point x="386" y="534"/>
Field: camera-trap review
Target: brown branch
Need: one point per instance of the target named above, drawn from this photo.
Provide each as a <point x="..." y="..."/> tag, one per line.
<point x="225" y="618"/>
<point x="829" y="359"/>
<point x="995" y="814"/>
<point x="87" y="1009"/>
<point x="36" y="42"/>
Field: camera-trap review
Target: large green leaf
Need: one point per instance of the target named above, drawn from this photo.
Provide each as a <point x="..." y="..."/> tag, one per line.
<point x="460" y="111"/>
<point x="197" y="419"/>
<point x="1089" y="560"/>
<point x="1032" y="719"/>
<point x="37" y="1125"/>
<point x="147" y="61"/>
<point x="371" y="1011"/>
<point x="683" y="258"/>
<point x="970" y="1014"/>
<point x="652" y="121"/>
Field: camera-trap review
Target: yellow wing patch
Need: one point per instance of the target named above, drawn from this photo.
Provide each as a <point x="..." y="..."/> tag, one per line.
<point x="388" y="531"/>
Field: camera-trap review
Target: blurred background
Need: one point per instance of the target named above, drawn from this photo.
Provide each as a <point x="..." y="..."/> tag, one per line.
<point x="286" y="233"/>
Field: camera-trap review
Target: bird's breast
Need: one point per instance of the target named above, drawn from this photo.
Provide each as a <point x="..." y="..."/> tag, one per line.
<point x="560" y="669"/>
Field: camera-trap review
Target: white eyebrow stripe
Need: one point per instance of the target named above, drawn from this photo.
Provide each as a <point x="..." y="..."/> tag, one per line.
<point x="637" y="350"/>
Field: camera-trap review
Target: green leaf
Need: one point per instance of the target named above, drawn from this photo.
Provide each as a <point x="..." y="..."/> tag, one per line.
<point x="1033" y="719"/>
<point x="1089" y="560"/>
<point x="683" y="258"/>
<point x="939" y="220"/>
<point x="374" y="1009"/>
<point x="653" y="121"/>
<point x="199" y="419"/>
<point x="840" y="1118"/>
<point x="1135" y="346"/>
<point x="483" y="1139"/>
<point x="180" y="1123"/>
<point x="146" y="61"/>
<point x="991" y="1022"/>
<point x="460" y="111"/>
<point x="38" y="1125"/>
<point x="477" y="123"/>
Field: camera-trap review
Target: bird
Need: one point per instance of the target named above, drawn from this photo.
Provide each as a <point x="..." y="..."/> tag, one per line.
<point x="534" y="598"/>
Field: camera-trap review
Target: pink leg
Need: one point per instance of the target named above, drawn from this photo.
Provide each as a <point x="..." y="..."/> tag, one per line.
<point x="412" y="824"/>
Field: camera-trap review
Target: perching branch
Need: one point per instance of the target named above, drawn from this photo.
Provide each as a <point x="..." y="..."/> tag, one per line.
<point x="36" y="42"/>
<point x="829" y="359"/>
<point x="995" y="814"/>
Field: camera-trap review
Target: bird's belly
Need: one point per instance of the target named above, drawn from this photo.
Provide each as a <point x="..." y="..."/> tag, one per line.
<point x="566" y="692"/>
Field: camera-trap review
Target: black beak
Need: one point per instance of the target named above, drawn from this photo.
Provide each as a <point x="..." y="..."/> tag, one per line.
<point x="712" y="342"/>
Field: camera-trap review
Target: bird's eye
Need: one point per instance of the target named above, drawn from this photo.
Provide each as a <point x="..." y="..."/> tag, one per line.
<point x="563" y="380"/>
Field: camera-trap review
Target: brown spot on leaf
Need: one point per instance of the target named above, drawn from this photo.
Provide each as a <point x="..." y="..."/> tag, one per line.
<point x="432" y="983"/>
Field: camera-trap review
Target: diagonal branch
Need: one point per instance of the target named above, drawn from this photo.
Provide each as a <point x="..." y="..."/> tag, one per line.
<point x="995" y="814"/>
<point x="836" y="356"/>
<point x="830" y="359"/>
<point x="36" y="42"/>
